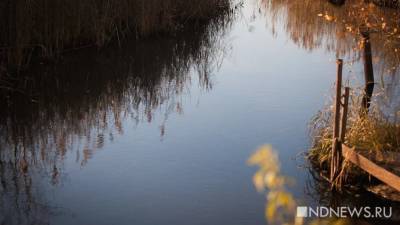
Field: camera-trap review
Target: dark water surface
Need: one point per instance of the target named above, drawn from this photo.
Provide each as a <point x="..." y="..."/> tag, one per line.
<point x="158" y="132"/>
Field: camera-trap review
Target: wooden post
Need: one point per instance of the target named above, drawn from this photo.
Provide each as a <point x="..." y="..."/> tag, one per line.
<point x="336" y="179"/>
<point x="368" y="72"/>
<point x="343" y="123"/>
<point x="335" y="160"/>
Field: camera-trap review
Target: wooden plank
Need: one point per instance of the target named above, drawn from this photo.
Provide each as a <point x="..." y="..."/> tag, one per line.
<point x="382" y="174"/>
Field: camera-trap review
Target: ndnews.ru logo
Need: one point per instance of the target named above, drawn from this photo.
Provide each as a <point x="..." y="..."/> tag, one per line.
<point x="344" y="212"/>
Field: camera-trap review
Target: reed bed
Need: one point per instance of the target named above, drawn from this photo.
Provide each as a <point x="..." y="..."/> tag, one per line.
<point x="375" y="131"/>
<point x="42" y="29"/>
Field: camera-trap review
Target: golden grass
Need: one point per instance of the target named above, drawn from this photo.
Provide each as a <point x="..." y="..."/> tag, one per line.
<point x="375" y="131"/>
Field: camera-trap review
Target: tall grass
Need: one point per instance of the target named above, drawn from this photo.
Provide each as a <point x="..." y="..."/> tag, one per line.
<point x="373" y="133"/>
<point x="46" y="28"/>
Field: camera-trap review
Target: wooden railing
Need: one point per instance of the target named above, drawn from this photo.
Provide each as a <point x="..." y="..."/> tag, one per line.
<point x="371" y="167"/>
<point x="342" y="152"/>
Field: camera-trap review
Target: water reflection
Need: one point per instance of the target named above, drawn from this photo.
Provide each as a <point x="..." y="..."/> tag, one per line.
<point x="351" y="31"/>
<point x="81" y="103"/>
<point x="353" y="196"/>
<point x="320" y="24"/>
<point x="281" y="205"/>
<point x="339" y="29"/>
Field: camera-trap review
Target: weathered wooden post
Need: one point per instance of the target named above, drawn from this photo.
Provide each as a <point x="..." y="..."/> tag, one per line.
<point x="343" y="123"/>
<point x="368" y="72"/>
<point x="337" y="179"/>
<point x="335" y="155"/>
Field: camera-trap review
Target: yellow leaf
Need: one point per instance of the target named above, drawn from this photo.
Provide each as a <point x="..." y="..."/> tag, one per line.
<point x="270" y="211"/>
<point x="258" y="180"/>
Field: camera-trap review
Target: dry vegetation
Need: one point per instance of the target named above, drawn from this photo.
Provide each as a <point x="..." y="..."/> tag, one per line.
<point x="314" y="24"/>
<point x="46" y="28"/>
<point x="374" y="132"/>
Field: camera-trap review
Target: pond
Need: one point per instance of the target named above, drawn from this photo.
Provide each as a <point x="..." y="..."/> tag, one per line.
<point x="158" y="131"/>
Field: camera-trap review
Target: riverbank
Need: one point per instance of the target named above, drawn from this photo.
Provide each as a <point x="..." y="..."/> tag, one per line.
<point x="359" y="32"/>
<point x="372" y="133"/>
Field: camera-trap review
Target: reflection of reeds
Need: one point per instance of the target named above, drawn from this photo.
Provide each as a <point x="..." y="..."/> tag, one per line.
<point x="20" y="201"/>
<point x="79" y="105"/>
<point x="48" y="27"/>
<point x="318" y="24"/>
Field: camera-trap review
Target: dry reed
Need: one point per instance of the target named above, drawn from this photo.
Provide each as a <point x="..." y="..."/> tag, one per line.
<point x="373" y="132"/>
<point x="45" y="28"/>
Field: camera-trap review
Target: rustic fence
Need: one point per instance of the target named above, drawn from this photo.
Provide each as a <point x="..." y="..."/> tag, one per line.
<point x="341" y="152"/>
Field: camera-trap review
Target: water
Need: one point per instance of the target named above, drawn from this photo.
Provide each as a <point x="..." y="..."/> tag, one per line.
<point x="159" y="132"/>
